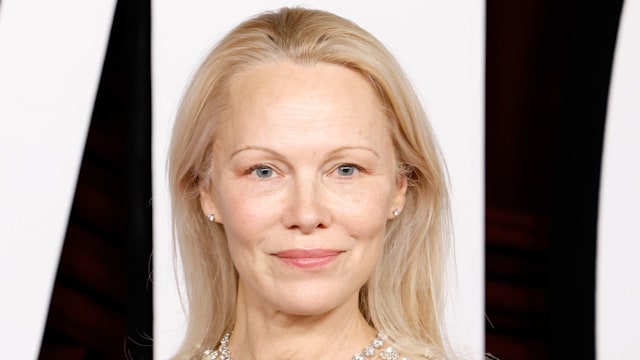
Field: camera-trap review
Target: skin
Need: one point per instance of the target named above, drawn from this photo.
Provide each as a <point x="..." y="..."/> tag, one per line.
<point x="305" y="161"/>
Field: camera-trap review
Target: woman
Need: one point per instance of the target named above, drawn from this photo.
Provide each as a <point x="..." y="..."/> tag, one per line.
<point x="309" y="198"/>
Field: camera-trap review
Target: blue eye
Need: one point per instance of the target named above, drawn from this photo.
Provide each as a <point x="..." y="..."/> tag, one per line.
<point x="347" y="170"/>
<point x="263" y="172"/>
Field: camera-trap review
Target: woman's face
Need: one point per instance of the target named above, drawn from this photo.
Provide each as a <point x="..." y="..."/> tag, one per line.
<point x="304" y="179"/>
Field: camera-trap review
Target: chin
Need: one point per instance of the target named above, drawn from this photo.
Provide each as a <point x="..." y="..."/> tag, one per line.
<point x="314" y="302"/>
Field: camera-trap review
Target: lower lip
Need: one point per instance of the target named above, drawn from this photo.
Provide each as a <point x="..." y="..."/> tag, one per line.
<point x="309" y="263"/>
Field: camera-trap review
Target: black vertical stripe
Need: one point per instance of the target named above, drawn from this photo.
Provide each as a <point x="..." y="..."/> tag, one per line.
<point x="101" y="306"/>
<point x="136" y="34"/>
<point x="548" y="69"/>
<point x="586" y="73"/>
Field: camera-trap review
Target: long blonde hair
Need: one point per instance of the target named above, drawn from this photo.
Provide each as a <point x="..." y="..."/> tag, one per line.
<point x="405" y="295"/>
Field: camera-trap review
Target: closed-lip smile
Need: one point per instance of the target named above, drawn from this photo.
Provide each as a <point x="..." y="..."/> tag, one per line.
<point x="307" y="259"/>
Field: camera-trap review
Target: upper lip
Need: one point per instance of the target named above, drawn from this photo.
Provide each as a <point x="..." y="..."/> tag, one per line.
<point x="306" y="254"/>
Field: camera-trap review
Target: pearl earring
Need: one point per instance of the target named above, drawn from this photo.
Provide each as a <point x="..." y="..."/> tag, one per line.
<point x="211" y="217"/>
<point x="396" y="212"/>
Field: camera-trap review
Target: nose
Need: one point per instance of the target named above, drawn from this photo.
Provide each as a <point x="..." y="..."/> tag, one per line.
<point x="307" y="209"/>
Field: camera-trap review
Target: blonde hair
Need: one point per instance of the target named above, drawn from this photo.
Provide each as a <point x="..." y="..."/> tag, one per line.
<point x="405" y="295"/>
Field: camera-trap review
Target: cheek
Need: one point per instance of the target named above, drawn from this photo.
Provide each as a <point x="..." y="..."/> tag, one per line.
<point x="364" y="210"/>
<point x="243" y="225"/>
<point x="245" y="217"/>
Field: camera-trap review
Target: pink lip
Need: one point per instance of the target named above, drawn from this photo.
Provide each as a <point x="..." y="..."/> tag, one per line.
<point x="307" y="258"/>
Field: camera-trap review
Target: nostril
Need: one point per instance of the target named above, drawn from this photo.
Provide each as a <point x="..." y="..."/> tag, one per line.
<point x="306" y="209"/>
<point x="307" y="220"/>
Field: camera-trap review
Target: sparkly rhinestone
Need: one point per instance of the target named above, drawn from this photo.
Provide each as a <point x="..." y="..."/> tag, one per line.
<point x="369" y="351"/>
<point x="389" y="354"/>
<point x="222" y="353"/>
<point x="209" y="355"/>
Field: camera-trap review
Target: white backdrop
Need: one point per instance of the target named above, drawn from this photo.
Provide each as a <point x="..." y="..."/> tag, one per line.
<point x="440" y="44"/>
<point x="618" y="274"/>
<point x="51" y="55"/>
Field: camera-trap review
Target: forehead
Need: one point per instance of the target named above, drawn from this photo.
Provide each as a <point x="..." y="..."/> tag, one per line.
<point x="287" y="93"/>
<point x="277" y="79"/>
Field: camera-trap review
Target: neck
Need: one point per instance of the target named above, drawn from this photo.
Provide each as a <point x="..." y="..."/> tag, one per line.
<point x="263" y="333"/>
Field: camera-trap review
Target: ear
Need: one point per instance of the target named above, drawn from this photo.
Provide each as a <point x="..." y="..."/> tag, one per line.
<point x="400" y="196"/>
<point x="208" y="205"/>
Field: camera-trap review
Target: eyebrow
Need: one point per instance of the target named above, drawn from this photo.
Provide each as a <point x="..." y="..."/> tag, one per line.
<point x="332" y="153"/>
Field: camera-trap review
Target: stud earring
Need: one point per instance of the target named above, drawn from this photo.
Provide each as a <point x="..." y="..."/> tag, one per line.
<point x="396" y="212"/>
<point x="211" y="217"/>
